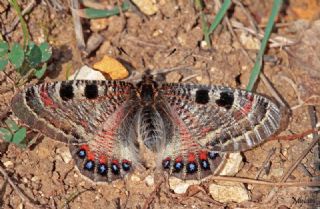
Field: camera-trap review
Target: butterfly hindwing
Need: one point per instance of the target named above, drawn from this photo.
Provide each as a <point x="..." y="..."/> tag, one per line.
<point x="212" y="120"/>
<point x="93" y="117"/>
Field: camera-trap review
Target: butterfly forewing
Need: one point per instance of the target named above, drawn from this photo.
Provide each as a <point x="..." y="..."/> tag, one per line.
<point x="94" y="117"/>
<point x="223" y="119"/>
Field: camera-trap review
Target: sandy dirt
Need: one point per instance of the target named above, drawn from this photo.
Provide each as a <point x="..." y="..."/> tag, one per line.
<point x="171" y="38"/>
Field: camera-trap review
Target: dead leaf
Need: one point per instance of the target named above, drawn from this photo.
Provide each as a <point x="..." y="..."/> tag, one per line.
<point x="112" y="67"/>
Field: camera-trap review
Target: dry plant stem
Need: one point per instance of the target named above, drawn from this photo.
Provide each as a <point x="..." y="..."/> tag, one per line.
<point x="305" y="152"/>
<point x="314" y="121"/>
<point x="277" y="41"/>
<point x="266" y="161"/>
<point x="26" y="10"/>
<point x="144" y="43"/>
<point x="8" y="76"/>
<point x="300" y="158"/>
<point x="295" y="136"/>
<point x="294" y="86"/>
<point x="152" y="195"/>
<point x="272" y="89"/>
<point x="189" y="77"/>
<point x="77" y="24"/>
<point x="252" y="21"/>
<point x="267" y="183"/>
<point x="22" y="196"/>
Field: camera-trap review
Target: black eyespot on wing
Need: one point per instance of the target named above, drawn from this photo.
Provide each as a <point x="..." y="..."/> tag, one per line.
<point x="126" y="166"/>
<point x="213" y="155"/>
<point x="166" y="163"/>
<point x="202" y="96"/>
<point x="66" y="91"/>
<point x="115" y="169"/>
<point x="91" y="91"/>
<point x="29" y="94"/>
<point x="102" y="169"/>
<point x="226" y="99"/>
<point x="205" y="164"/>
<point x="178" y="166"/>
<point x="89" y="165"/>
<point x="192" y="167"/>
<point x="82" y="153"/>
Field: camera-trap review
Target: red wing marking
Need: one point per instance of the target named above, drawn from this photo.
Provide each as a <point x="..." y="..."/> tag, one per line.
<point x="47" y="101"/>
<point x="102" y="159"/>
<point x="191" y="157"/>
<point x="203" y="155"/>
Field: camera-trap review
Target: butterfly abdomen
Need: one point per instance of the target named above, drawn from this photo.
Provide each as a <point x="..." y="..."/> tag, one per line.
<point x="151" y="128"/>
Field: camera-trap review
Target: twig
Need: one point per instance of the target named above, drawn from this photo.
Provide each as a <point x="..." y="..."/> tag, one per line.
<point x="267" y="183"/>
<point x="294" y="86"/>
<point x="77" y="24"/>
<point x="300" y="158"/>
<point x="30" y="6"/>
<point x="314" y="121"/>
<point x="295" y="136"/>
<point x="152" y="195"/>
<point x="133" y="39"/>
<point x="272" y="90"/>
<point x="304" y="153"/>
<point x="189" y="77"/>
<point x="22" y="196"/>
<point x="266" y="161"/>
<point x="73" y="196"/>
<point x="278" y="41"/>
<point x="252" y="21"/>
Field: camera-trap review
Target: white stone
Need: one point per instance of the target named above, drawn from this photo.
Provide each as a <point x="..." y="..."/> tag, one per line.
<point x="8" y="163"/>
<point x="233" y="164"/>
<point x="149" y="180"/>
<point x="249" y="42"/>
<point x="180" y="186"/>
<point x="135" y="178"/>
<point x="65" y="154"/>
<point x="87" y="73"/>
<point x="229" y="192"/>
<point x="35" y="178"/>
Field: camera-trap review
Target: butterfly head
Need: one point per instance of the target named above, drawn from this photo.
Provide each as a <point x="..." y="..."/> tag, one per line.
<point x="147" y="88"/>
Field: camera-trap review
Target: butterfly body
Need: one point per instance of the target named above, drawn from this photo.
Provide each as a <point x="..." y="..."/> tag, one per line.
<point x="189" y="128"/>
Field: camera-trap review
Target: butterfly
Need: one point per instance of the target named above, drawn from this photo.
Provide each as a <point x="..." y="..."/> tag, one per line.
<point x="107" y="124"/>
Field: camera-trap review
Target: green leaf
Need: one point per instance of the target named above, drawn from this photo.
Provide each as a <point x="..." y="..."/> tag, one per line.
<point x="33" y="54"/>
<point x="3" y="63"/>
<point x="221" y="13"/>
<point x="98" y="13"/>
<point x="3" y="48"/>
<point x="12" y="125"/>
<point x="16" y="55"/>
<point x="46" y="51"/>
<point x="5" y="134"/>
<point x="258" y="64"/>
<point x="19" y="136"/>
<point x="40" y="72"/>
